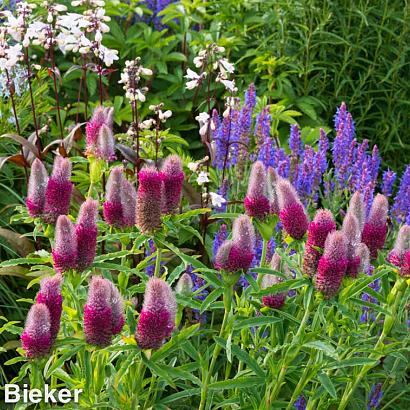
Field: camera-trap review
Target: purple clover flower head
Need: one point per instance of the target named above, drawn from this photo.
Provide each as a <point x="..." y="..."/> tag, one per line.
<point x="58" y="191"/>
<point x="332" y="265"/>
<point x="112" y="207"/>
<point x="401" y="206"/>
<point x="323" y="223"/>
<point x="256" y="201"/>
<point x="363" y="253"/>
<point x="357" y="207"/>
<point x="272" y="179"/>
<point x="219" y="238"/>
<point x="375" y="396"/>
<point x="389" y="177"/>
<point x="352" y="233"/>
<point x="103" y="312"/>
<point x="86" y="233"/>
<point x="50" y="295"/>
<point x="36" y="337"/>
<point x="36" y="191"/>
<point x="243" y="233"/>
<point x="102" y="116"/>
<point x="149" y="200"/>
<point x="300" y="403"/>
<point x="65" y="245"/>
<point x="400" y="246"/>
<point x="292" y="213"/>
<point x="375" y="229"/>
<point x="105" y="145"/>
<point x="128" y="203"/>
<point x="173" y="177"/>
<point x="157" y="317"/>
<point x="275" y="300"/>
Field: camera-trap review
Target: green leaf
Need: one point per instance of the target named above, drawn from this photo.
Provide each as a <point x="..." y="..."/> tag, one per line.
<point x="355" y="361"/>
<point x="256" y="321"/>
<point x="324" y="347"/>
<point x="238" y="383"/>
<point x="281" y="287"/>
<point x="327" y="384"/>
<point x="215" y="294"/>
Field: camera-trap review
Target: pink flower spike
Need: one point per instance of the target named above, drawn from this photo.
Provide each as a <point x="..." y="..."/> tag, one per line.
<point x="157" y="318"/>
<point x="86" y="233"/>
<point x="36" y="337"/>
<point x="58" y="191"/>
<point x="105" y="145"/>
<point x="36" y="191"/>
<point x="375" y="229"/>
<point x="405" y="266"/>
<point x="65" y="245"/>
<point x="232" y="258"/>
<point x="117" y="306"/>
<point x="243" y="233"/>
<point x="351" y="229"/>
<point x="128" y="203"/>
<point x="292" y="213"/>
<point x="400" y="246"/>
<point x="357" y="207"/>
<point x="276" y="300"/>
<point x="98" y="315"/>
<point x="323" y="223"/>
<point x="101" y="116"/>
<point x="149" y="200"/>
<point x="50" y="295"/>
<point x="332" y="265"/>
<point x="256" y="201"/>
<point x="272" y="180"/>
<point x="363" y="253"/>
<point x="173" y="177"/>
<point x="112" y="207"/>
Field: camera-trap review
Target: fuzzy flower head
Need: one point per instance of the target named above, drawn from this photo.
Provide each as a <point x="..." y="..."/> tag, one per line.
<point x="58" y="191"/>
<point x="86" y="233"/>
<point x="36" y="338"/>
<point x="101" y="116"/>
<point x="173" y="177"/>
<point x="105" y="145"/>
<point x="36" y="191"/>
<point x="103" y="313"/>
<point x="243" y="233"/>
<point x="184" y="285"/>
<point x="272" y="178"/>
<point x="157" y="317"/>
<point x="323" y="223"/>
<point x="276" y="300"/>
<point x="332" y="265"/>
<point x="256" y="200"/>
<point x="363" y="253"/>
<point x="400" y="246"/>
<point x="351" y="230"/>
<point x="149" y="200"/>
<point x="50" y="295"/>
<point x="65" y="245"/>
<point x="292" y="213"/>
<point x="375" y="229"/>
<point x="112" y="207"/>
<point x="357" y="207"/>
<point x="128" y="203"/>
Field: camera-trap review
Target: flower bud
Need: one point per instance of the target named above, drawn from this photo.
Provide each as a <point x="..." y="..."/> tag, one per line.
<point x="112" y="207"/>
<point x="184" y="285"/>
<point x="332" y="265"/>
<point x="149" y="200"/>
<point x="351" y="229"/>
<point x="357" y="207"/>
<point x="173" y="177"/>
<point x="292" y="213"/>
<point x="157" y="317"/>
<point x="36" y="191"/>
<point x="128" y="203"/>
<point x="363" y="253"/>
<point x="36" y="337"/>
<point x="256" y="202"/>
<point x="58" y="191"/>
<point x="86" y="233"/>
<point x="65" y="245"/>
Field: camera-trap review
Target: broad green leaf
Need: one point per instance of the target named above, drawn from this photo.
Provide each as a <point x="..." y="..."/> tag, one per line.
<point x="324" y="347"/>
<point x="256" y="321"/>
<point x="238" y="383"/>
<point x="327" y="384"/>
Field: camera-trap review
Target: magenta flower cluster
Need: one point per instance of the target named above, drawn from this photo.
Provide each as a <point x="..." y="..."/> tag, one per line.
<point x="43" y="319"/>
<point x="49" y="197"/>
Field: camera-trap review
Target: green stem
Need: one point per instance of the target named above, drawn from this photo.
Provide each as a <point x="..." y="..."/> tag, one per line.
<point x="158" y="264"/>
<point x="394" y="298"/>
<point x="205" y="382"/>
<point x="263" y="260"/>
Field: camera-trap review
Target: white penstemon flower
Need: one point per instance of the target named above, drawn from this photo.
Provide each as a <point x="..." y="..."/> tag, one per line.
<point x="202" y="178"/>
<point x="131" y="77"/>
<point x="217" y="200"/>
<point x="162" y="116"/>
<point x="9" y="55"/>
<point x="203" y="119"/>
<point x="195" y="78"/>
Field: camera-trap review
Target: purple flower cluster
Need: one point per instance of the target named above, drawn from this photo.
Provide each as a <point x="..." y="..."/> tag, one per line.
<point x="401" y="206"/>
<point x="375" y="396"/>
